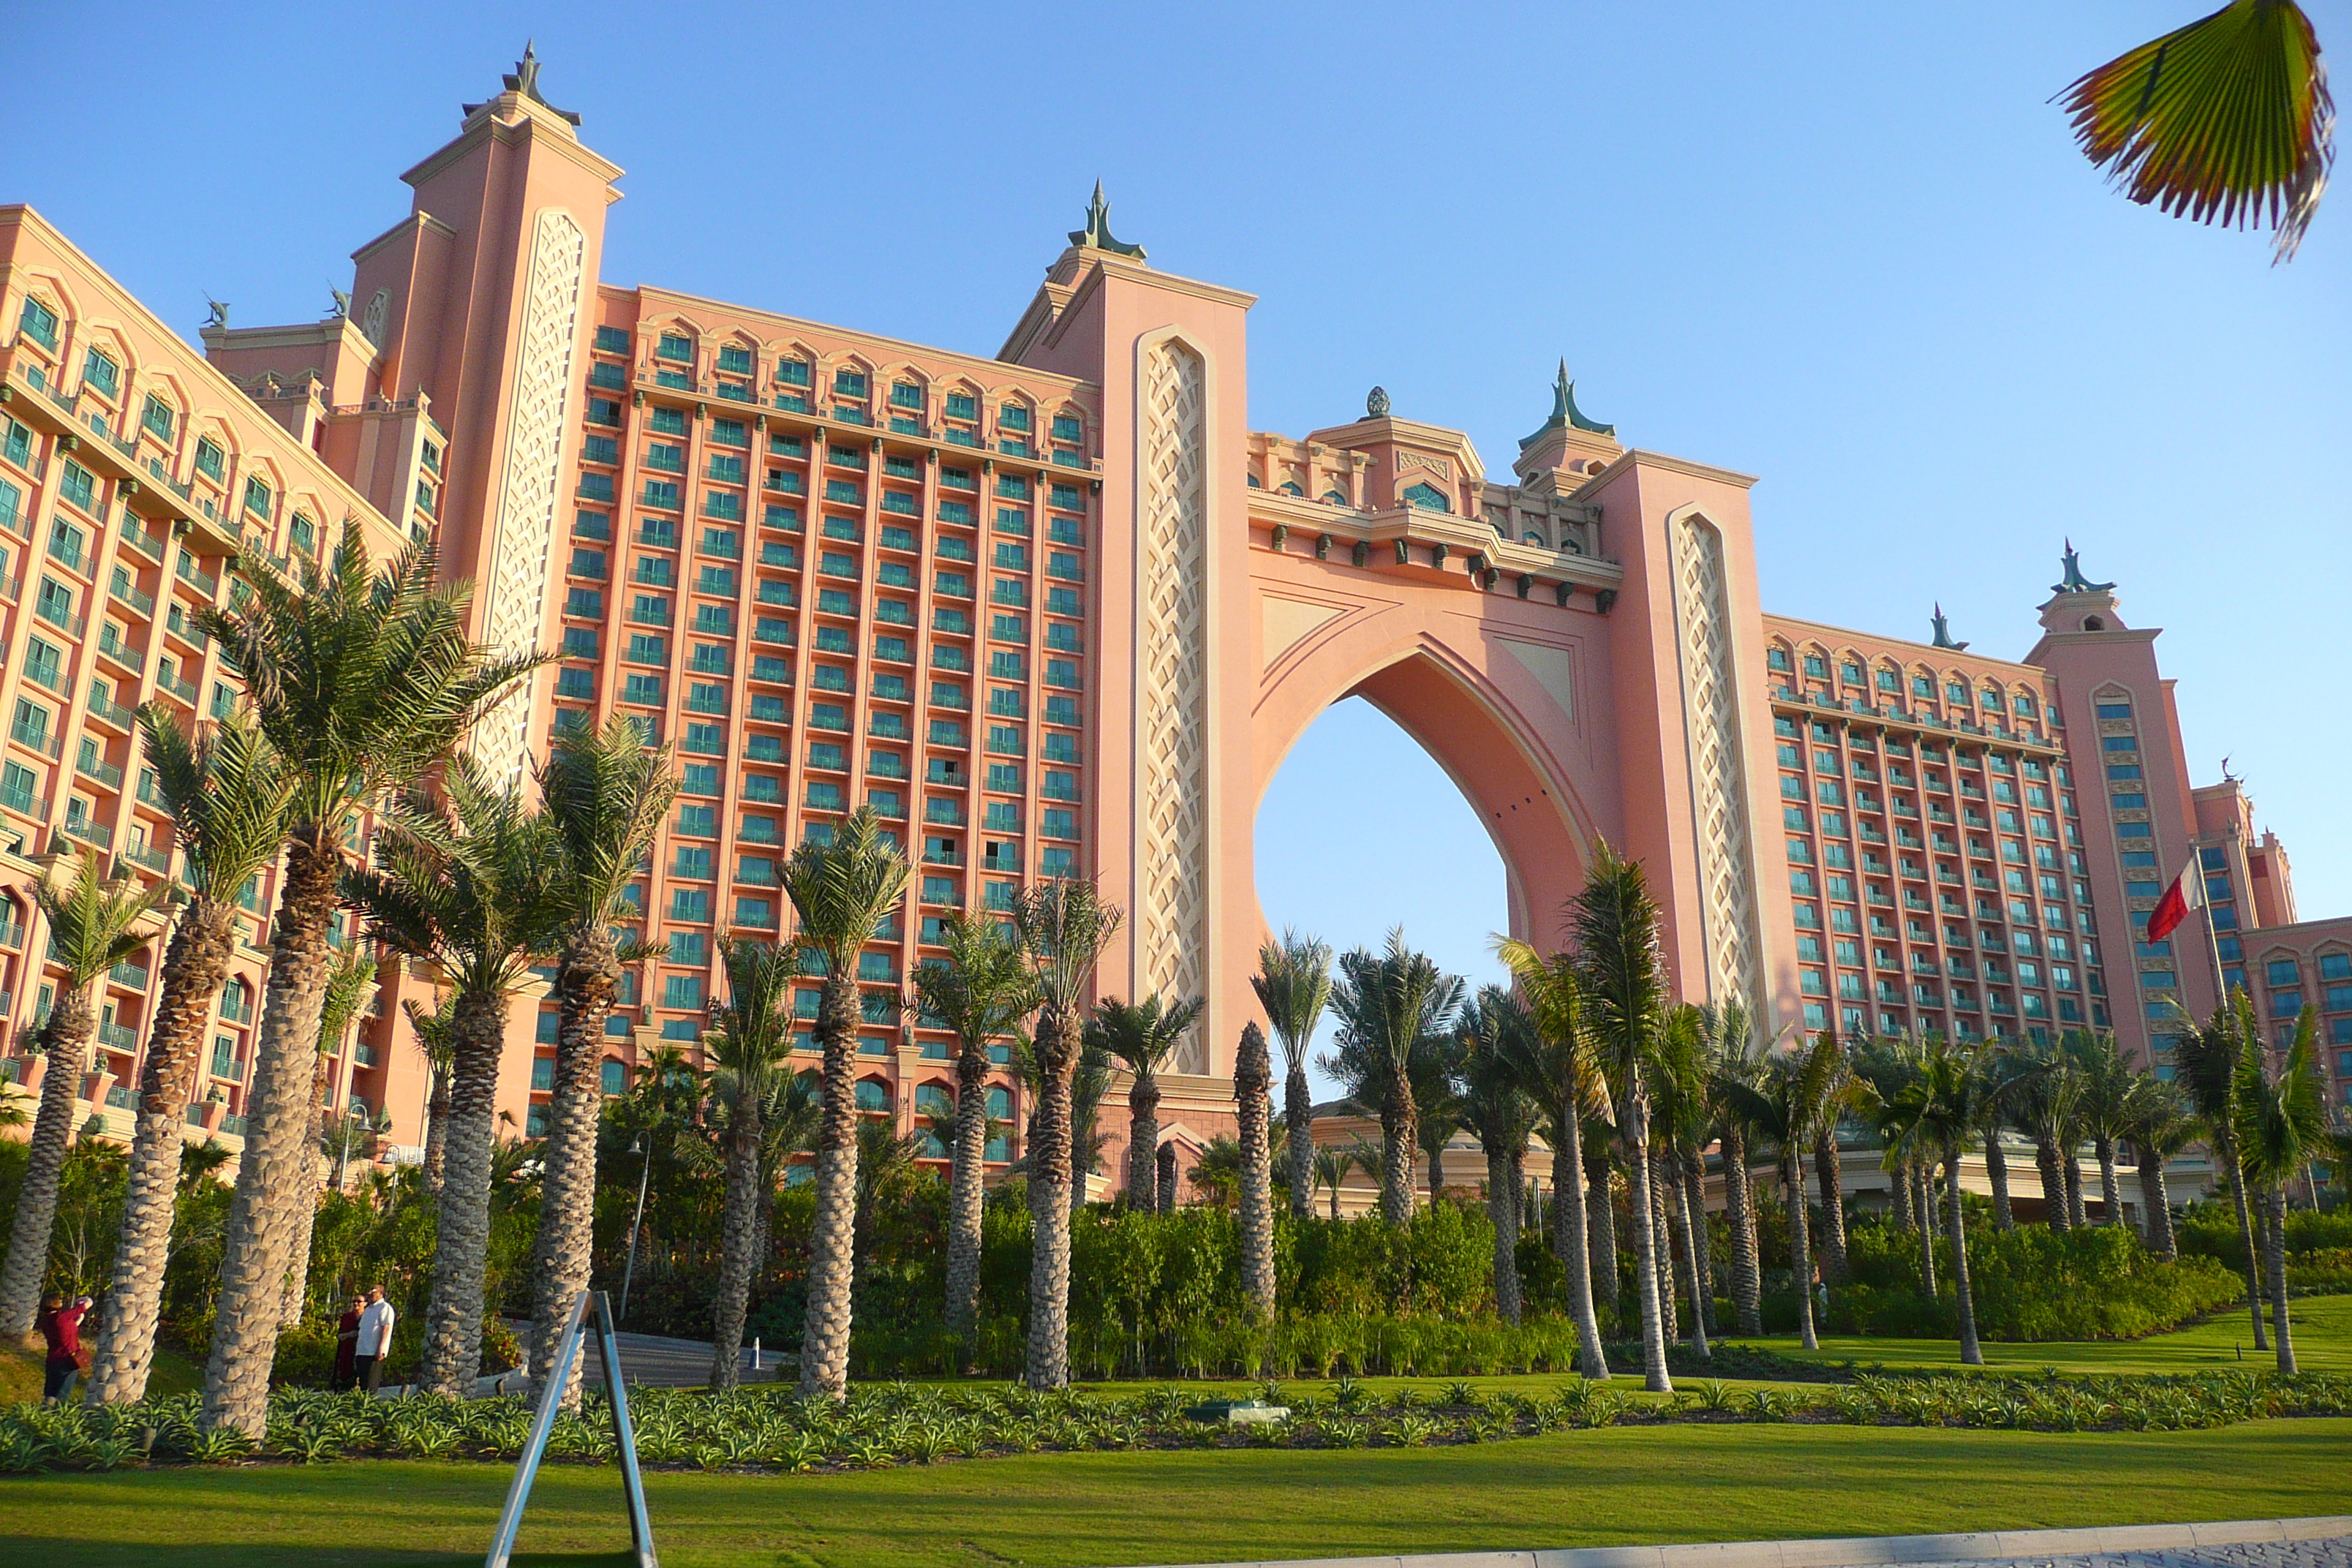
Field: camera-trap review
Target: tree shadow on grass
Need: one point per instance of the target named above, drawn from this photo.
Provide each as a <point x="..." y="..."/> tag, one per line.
<point x="24" y="1547"/>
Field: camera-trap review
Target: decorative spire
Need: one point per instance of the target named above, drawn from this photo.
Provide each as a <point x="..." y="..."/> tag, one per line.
<point x="2071" y="578"/>
<point x="1565" y="415"/>
<point x="524" y="79"/>
<point x="1944" y="633"/>
<point x="1096" y="234"/>
<point x="1376" y="404"/>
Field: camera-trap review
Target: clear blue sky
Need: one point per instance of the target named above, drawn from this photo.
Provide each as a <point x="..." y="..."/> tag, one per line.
<point x="1846" y="247"/>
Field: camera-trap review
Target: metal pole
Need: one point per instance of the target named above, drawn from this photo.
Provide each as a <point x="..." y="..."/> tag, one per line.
<point x="629" y="1274"/>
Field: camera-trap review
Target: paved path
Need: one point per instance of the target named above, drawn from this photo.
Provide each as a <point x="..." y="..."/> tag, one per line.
<point x="2322" y="1542"/>
<point x="659" y="1362"/>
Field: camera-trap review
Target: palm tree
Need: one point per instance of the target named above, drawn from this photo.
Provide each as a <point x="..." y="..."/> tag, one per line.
<point x="1788" y="1097"/>
<point x="2049" y="1108"/>
<point x="2009" y="1076"/>
<point x="1829" y="1168"/>
<point x="347" y="982"/>
<point x="1143" y="1035"/>
<point x="1945" y="1104"/>
<point x="1727" y="1037"/>
<point x="1332" y="1166"/>
<point x="1253" y="1083"/>
<point x="1437" y="1110"/>
<point x="1613" y="924"/>
<point x="2225" y="120"/>
<point x="2206" y="1062"/>
<point x="2282" y="1127"/>
<point x="980" y="990"/>
<point x="841" y="890"/>
<point x="605" y="796"/>
<point x="1294" y="985"/>
<point x="227" y="798"/>
<point x="750" y="1037"/>
<point x="1063" y="926"/>
<point x="436" y="1041"/>
<point x="1679" y="1124"/>
<point x="2108" y="1108"/>
<point x="2161" y="1127"/>
<point x="1555" y="1065"/>
<point x="461" y="882"/>
<point x="886" y="1159"/>
<point x="1887" y="1076"/>
<point x="1389" y="1004"/>
<point x="92" y="928"/>
<point x="361" y="680"/>
<point x="1497" y="1036"/>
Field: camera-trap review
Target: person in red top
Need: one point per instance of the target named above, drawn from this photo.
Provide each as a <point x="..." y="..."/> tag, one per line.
<point x="347" y="1344"/>
<point x="60" y="1327"/>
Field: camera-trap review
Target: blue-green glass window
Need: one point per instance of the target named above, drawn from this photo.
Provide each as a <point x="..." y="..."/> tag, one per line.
<point x="102" y="373"/>
<point x="1012" y="417"/>
<point x="792" y="372"/>
<point x="675" y="346"/>
<point x="668" y="422"/>
<point x="39" y="323"/>
<point x="963" y="405"/>
<point x="735" y="360"/>
<point x="1428" y="498"/>
<point x="78" y="485"/>
<point x="612" y="341"/>
<point x="849" y="383"/>
<point x="906" y="395"/>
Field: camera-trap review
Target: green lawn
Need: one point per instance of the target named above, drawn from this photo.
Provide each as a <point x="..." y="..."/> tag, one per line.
<point x="1578" y="1489"/>
<point x="2322" y="1343"/>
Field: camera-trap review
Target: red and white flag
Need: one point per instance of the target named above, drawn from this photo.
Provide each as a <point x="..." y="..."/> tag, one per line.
<point x="2187" y="893"/>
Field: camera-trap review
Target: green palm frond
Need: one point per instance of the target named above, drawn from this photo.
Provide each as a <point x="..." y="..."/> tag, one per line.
<point x="347" y="983"/>
<point x="1614" y="924"/>
<point x="2226" y="121"/>
<point x="90" y="918"/>
<point x="361" y="679"/>
<point x="1143" y="1034"/>
<point x="980" y="987"/>
<point x="1294" y="985"/>
<point x="752" y="1032"/>
<point x="2281" y="1121"/>
<point x="226" y="790"/>
<point x="1063" y="925"/>
<point x="843" y="890"/>
<point x="606" y="796"/>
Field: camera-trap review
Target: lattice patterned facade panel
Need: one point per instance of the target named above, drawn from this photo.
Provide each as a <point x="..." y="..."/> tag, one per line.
<point x="527" y="492"/>
<point x="1718" y="778"/>
<point x="1171" y="821"/>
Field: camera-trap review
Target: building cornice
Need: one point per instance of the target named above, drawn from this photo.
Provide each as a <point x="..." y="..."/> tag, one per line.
<point x="1636" y="457"/>
<point x="530" y="128"/>
<point x="414" y="220"/>
<point x="1925" y="653"/>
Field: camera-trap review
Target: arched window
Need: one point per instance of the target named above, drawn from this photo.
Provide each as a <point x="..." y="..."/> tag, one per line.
<point x="1333" y="497"/>
<point x="1428" y="498"/>
<point x="1290" y="488"/>
<point x="873" y="1096"/>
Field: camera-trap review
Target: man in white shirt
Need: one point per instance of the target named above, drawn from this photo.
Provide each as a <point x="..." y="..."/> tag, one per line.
<point x="376" y="1338"/>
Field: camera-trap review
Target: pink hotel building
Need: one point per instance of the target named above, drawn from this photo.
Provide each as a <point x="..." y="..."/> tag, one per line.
<point x="1059" y="611"/>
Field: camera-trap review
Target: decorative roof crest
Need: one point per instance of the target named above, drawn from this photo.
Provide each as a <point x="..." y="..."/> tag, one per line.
<point x="2072" y="580"/>
<point x="524" y="79"/>
<point x="1096" y="234"/>
<point x="1944" y="632"/>
<point x="1565" y="415"/>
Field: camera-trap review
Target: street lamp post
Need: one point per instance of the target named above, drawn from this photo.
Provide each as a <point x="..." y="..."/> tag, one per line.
<point x="628" y="1274"/>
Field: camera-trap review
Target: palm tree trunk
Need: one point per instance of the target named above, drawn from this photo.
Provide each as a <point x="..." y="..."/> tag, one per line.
<point x="740" y="1238"/>
<point x="2156" y="1207"/>
<point x="1662" y="1247"/>
<point x="2077" y="1219"/>
<point x="1692" y="1216"/>
<point x="1655" y="1377"/>
<point x="1899" y="1199"/>
<point x="1049" y="1201"/>
<point x="1996" y="1172"/>
<point x="452" y="1358"/>
<point x="1600" y="1204"/>
<point x="2111" y="1192"/>
<point x="1253" y="1078"/>
<point x="1503" y="1208"/>
<point x="1801" y="1245"/>
<point x="305" y="1217"/>
<point x="587" y="978"/>
<point x="2053" y="1184"/>
<point x="967" y="1192"/>
<point x="1143" y="1144"/>
<point x="1398" y="1124"/>
<point x="2225" y="1151"/>
<point x="274" y="1171"/>
<point x="1298" y="1134"/>
<point x="833" y="1239"/>
<point x="2274" y="1257"/>
<point x="1971" y="1353"/>
<point x="1167" y="1182"/>
<point x="1739" y="1213"/>
<point x="194" y="967"/>
<point x="436" y="1128"/>
<point x="1436" y="1150"/>
<point x="1567" y="1242"/>
<point x="64" y="1042"/>
<point x="1924" y="1186"/>
<point x="1697" y="1242"/>
<point x="1829" y="1175"/>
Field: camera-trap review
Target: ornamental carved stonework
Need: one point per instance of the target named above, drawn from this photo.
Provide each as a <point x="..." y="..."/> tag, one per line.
<point x="1727" y="900"/>
<point x="524" y="524"/>
<point x="1172" y="824"/>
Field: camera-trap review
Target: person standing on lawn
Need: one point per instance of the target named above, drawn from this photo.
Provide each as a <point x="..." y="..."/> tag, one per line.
<point x="60" y="1326"/>
<point x="347" y="1346"/>
<point x="374" y="1340"/>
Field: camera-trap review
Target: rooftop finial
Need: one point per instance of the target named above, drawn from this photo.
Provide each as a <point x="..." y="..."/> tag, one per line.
<point x="2071" y="578"/>
<point x="1944" y="632"/>
<point x="1565" y="415"/>
<point x="524" y="80"/>
<point x="1096" y="234"/>
<point x="1376" y="404"/>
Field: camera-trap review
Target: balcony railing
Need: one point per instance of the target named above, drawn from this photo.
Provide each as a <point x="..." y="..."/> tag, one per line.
<point x="99" y="768"/>
<point x="130" y="975"/>
<point x="116" y="1037"/>
<point x="153" y="859"/>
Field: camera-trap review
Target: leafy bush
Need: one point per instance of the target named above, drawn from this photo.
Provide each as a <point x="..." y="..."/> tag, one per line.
<point x="2210" y="1230"/>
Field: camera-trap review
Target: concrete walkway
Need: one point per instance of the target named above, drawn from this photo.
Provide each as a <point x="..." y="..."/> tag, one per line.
<point x="2320" y="1542"/>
